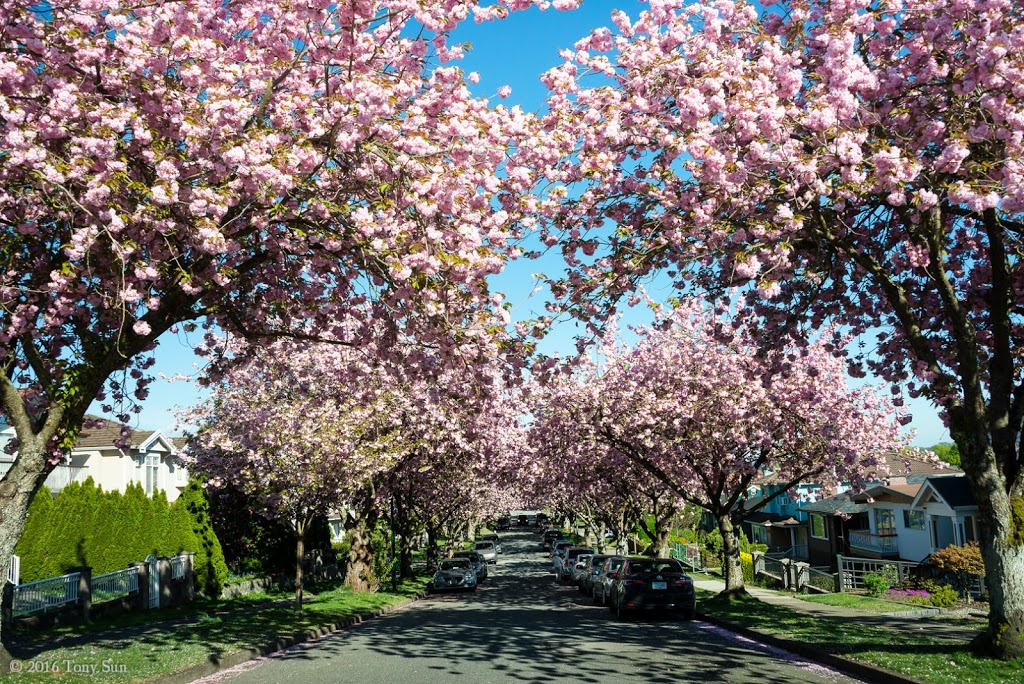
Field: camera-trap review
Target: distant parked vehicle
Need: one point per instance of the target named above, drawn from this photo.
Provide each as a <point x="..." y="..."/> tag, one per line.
<point x="493" y="538"/>
<point x="455" y="573"/>
<point x="603" y="579"/>
<point x="566" y="562"/>
<point x="590" y="571"/>
<point x="652" y="584"/>
<point x="579" y="568"/>
<point x="487" y="550"/>
<point x="478" y="562"/>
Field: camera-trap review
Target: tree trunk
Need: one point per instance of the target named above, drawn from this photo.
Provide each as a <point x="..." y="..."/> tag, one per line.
<point x="433" y="552"/>
<point x="300" y="552"/>
<point x="732" y="569"/>
<point x="1001" y="532"/>
<point x="359" y="575"/>
<point x="17" y="488"/>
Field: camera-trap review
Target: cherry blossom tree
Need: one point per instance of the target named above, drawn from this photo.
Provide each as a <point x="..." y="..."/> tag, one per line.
<point x="264" y="168"/>
<point x="301" y="428"/>
<point x="700" y="405"/>
<point x="858" y="161"/>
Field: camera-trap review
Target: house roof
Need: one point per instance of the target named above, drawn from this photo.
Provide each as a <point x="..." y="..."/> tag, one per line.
<point x="107" y="432"/>
<point x="897" y="493"/>
<point x="954" y="490"/>
<point x="840" y="504"/>
<point x="901" y="465"/>
<point x="773" y="520"/>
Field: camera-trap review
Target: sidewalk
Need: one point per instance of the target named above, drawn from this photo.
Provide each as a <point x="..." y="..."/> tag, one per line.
<point x="908" y="620"/>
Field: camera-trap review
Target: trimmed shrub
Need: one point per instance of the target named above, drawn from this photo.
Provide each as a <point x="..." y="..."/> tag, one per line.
<point x="945" y="597"/>
<point x="876" y="584"/>
<point x="747" y="563"/>
<point x="211" y="571"/>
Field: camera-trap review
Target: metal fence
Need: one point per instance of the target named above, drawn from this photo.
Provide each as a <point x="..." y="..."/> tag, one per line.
<point x="44" y="594"/>
<point x="819" y="581"/>
<point x="690" y="555"/>
<point x="114" y="585"/>
<point x="853" y="571"/>
<point x="177" y="567"/>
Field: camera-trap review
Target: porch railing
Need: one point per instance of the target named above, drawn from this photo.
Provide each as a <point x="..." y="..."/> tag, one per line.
<point x="886" y="542"/>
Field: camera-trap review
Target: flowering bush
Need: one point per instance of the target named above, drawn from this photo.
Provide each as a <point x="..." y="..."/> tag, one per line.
<point x="916" y="596"/>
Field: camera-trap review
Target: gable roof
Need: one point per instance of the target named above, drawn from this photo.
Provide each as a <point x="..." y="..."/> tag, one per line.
<point x="954" y="491"/>
<point x="896" y="493"/>
<point x="107" y="432"/>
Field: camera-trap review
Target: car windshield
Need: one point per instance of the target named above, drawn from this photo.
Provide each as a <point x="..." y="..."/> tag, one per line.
<point x="483" y="546"/>
<point x="454" y="565"/>
<point x="573" y="553"/>
<point x="471" y="555"/>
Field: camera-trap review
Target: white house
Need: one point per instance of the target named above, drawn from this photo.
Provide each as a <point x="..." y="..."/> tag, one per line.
<point x="152" y="459"/>
<point x="911" y="521"/>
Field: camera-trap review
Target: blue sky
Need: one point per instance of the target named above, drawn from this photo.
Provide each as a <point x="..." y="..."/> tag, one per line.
<point x="513" y="52"/>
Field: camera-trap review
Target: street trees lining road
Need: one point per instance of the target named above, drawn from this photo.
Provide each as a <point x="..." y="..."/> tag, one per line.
<point x="521" y="626"/>
<point x="701" y="405"/>
<point x="859" y="162"/>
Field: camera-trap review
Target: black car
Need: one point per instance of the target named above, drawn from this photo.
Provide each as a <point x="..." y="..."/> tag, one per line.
<point x="652" y="584"/>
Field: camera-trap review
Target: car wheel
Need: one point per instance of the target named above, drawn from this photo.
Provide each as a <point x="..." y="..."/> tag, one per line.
<point x="687" y="614"/>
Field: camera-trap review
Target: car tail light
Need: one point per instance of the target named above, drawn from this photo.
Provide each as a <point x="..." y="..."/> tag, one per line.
<point x="633" y="583"/>
<point x="682" y="583"/>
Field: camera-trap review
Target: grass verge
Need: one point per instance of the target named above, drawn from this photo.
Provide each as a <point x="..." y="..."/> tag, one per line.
<point x="128" y="649"/>
<point x="916" y="654"/>
<point x="865" y="603"/>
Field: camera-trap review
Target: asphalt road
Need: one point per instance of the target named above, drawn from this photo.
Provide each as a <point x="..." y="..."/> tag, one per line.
<point x="522" y="627"/>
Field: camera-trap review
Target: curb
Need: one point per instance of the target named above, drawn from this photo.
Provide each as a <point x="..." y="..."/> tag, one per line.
<point x="855" y="668"/>
<point x="219" y="663"/>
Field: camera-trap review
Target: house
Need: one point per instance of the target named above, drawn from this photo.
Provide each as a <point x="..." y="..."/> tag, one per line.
<point x="152" y="459"/>
<point x="802" y="525"/>
<point x="911" y="521"/>
<point x="830" y="522"/>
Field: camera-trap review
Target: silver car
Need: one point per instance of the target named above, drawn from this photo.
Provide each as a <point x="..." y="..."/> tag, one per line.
<point x="488" y="550"/>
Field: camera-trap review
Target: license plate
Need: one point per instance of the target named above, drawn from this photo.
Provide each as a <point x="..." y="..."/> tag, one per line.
<point x="659" y="585"/>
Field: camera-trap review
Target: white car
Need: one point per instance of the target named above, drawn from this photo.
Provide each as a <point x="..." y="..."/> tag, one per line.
<point x="488" y="550"/>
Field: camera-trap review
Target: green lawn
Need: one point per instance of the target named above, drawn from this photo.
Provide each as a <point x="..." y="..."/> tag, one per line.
<point x="865" y="603"/>
<point x="916" y="654"/>
<point x="211" y="631"/>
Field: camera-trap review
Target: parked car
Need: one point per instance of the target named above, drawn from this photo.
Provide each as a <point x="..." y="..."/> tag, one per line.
<point x="652" y="584"/>
<point x="455" y="573"/>
<point x="487" y="550"/>
<point x="550" y="537"/>
<point x="557" y="551"/>
<point x="579" y="567"/>
<point x="602" y="581"/>
<point x="502" y="524"/>
<point x="493" y="538"/>
<point x="478" y="562"/>
<point x="590" y="571"/>
<point x="565" y="563"/>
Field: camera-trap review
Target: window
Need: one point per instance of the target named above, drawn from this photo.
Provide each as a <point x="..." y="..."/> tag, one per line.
<point x="759" y="534"/>
<point x="819" y="530"/>
<point x="150" y="473"/>
<point x="913" y="520"/>
<point x="885" y="521"/>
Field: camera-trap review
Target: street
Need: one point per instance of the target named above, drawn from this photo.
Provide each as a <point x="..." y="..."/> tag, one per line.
<point x="521" y="626"/>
